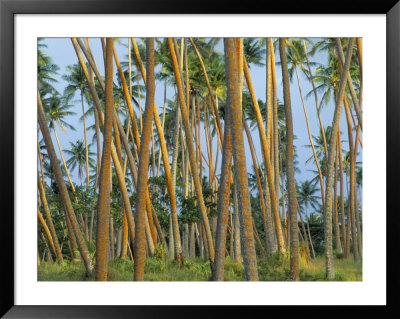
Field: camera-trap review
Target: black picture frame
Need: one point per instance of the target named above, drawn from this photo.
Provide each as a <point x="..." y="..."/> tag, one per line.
<point x="8" y="8"/>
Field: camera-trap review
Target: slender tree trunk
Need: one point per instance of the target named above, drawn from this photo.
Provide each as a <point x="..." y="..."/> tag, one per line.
<point x="267" y="158"/>
<point x="321" y="182"/>
<point x="233" y="68"/>
<point x="237" y="248"/>
<point x="291" y="184"/>
<point x="342" y="212"/>
<point x="223" y="201"/>
<point x="316" y="101"/>
<point x="335" y="208"/>
<point x="63" y="189"/>
<point x="47" y="231"/>
<point x="49" y="220"/>
<point x="103" y="208"/>
<point x="189" y="141"/>
<point x="330" y="271"/>
<point x="352" y="181"/>
<point x="140" y="214"/>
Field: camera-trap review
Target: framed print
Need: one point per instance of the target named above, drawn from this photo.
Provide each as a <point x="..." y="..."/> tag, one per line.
<point x="262" y="163"/>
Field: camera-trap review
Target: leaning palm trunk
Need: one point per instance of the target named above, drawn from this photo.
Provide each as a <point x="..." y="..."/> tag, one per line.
<point x="140" y="214"/>
<point x="47" y="231"/>
<point x="189" y="143"/>
<point x="236" y="225"/>
<point x="63" y="189"/>
<point x="267" y="158"/>
<point x="171" y="178"/>
<point x="330" y="272"/>
<point x="321" y="182"/>
<point x="335" y="208"/>
<point x="117" y="165"/>
<point x="267" y="226"/>
<point x="49" y="220"/>
<point x="269" y="229"/>
<point x="291" y="184"/>
<point x="352" y="181"/>
<point x="316" y="100"/>
<point x="339" y="150"/>
<point x="223" y="202"/>
<point x="103" y="208"/>
<point x="233" y="68"/>
<point x="275" y="121"/>
<point x="350" y="86"/>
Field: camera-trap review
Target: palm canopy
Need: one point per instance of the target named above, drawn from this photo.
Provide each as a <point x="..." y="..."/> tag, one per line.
<point x="77" y="154"/>
<point x="46" y="70"/>
<point x="76" y="80"/>
<point x="306" y="195"/>
<point x="57" y="108"/>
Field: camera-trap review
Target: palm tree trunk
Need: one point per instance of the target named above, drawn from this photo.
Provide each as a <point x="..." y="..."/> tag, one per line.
<point x="316" y="100"/>
<point x="330" y="272"/>
<point x="352" y="181"/>
<point x="291" y="184"/>
<point x="335" y="208"/>
<point x="49" y="220"/>
<point x="63" y="189"/>
<point x="233" y="66"/>
<point x="321" y="182"/>
<point x="342" y="212"/>
<point x="267" y="159"/>
<point x="350" y="85"/>
<point x="189" y="141"/>
<point x="223" y="201"/>
<point x="275" y="121"/>
<point x="237" y="248"/>
<point x="267" y="222"/>
<point x="47" y="231"/>
<point x="103" y="208"/>
<point x="63" y="160"/>
<point x="114" y="155"/>
<point x="140" y="214"/>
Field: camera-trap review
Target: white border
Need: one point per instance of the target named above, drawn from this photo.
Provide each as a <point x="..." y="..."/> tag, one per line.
<point x="373" y="288"/>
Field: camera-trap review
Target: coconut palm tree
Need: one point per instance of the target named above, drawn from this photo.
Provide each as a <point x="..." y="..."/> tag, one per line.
<point x="63" y="189"/>
<point x="234" y="64"/>
<point x="77" y="159"/>
<point x="297" y="61"/>
<point x="291" y="184"/>
<point x="46" y="70"/>
<point x="189" y="144"/>
<point x="77" y="82"/>
<point x="330" y="272"/>
<point x="141" y="191"/>
<point x="103" y="206"/>
<point x="306" y="196"/>
<point x="57" y="108"/>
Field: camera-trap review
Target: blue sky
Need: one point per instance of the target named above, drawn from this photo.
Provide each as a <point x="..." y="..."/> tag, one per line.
<point x="63" y="54"/>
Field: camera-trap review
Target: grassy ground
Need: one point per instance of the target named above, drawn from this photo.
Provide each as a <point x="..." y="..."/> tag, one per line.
<point x="272" y="268"/>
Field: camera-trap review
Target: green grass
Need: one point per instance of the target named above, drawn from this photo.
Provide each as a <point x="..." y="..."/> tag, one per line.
<point x="272" y="268"/>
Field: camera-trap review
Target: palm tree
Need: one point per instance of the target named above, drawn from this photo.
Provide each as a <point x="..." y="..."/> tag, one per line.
<point x="234" y="64"/>
<point x="63" y="189"/>
<point x="297" y="60"/>
<point x="330" y="272"/>
<point x="141" y="191"/>
<point x="76" y="81"/>
<point x="305" y="195"/>
<point x="103" y="208"/>
<point x="189" y="144"/>
<point x="223" y="201"/>
<point x="291" y="184"/>
<point x="77" y="158"/>
<point x="46" y="70"/>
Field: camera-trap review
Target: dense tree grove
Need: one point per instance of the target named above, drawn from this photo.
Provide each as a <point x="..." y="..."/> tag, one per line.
<point x="211" y="176"/>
